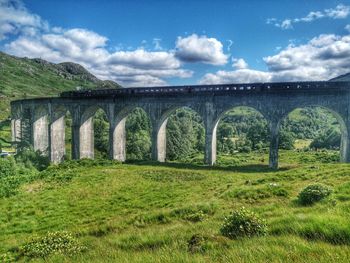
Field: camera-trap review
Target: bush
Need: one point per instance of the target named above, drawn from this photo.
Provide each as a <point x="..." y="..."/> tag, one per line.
<point x="243" y="223"/>
<point x="195" y="217"/>
<point x="7" y="257"/>
<point x="313" y="193"/>
<point x="52" y="243"/>
<point x="30" y="158"/>
<point x="7" y="167"/>
<point x="196" y="243"/>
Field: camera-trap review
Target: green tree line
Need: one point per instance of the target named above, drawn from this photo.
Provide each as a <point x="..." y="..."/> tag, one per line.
<point x="240" y="130"/>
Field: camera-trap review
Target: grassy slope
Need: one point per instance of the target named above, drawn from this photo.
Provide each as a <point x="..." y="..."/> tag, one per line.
<point x="25" y="78"/>
<point x="135" y="212"/>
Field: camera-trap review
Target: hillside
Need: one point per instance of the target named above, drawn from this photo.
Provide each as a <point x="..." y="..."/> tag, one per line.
<point x="345" y="77"/>
<point x="24" y="77"/>
<point x="149" y="212"/>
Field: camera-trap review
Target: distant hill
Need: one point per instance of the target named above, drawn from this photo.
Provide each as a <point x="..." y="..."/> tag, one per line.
<point x="345" y="77"/>
<point x="25" y="77"/>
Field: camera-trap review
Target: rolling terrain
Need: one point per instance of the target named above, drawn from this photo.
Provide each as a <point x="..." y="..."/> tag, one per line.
<point x="148" y="212"/>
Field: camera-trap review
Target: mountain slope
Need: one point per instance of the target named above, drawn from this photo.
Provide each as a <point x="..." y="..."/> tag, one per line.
<point x="24" y="77"/>
<point x="345" y="77"/>
<point x="37" y="77"/>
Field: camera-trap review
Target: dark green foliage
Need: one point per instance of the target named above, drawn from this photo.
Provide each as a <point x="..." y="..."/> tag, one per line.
<point x="52" y="243"/>
<point x="313" y="193"/>
<point x="7" y="257"/>
<point x="138" y="135"/>
<point x="7" y="167"/>
<point x="196" y="243"/>
<point x="329" y="139"/>
<point x="243" y="223"/>
<point x="12" y="175"/>
<point x="195" y="217"/>
<point x="9" y="185"/>
<point x="286" y="140"/>
<point x="185" y="135"/>
<point x="101" y="133"/>
<point x="29" y="158"/>
<point x="307" y="123"/>
<point x="258" y="134"/>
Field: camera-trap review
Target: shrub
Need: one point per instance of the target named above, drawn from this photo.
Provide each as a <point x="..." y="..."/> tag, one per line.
<point x="313" y="193"/>
<point x="7" y="257"/>
<point x="195" y="217"/>
<point x="243" y="223"/>
<point x="7" y="167"/>
<point x="30" y="158"/>
<point x="195" y="244"/>
<point x="52" y="243"/>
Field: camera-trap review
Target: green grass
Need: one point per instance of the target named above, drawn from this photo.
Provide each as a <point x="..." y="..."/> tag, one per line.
<point x="142" y="212"/>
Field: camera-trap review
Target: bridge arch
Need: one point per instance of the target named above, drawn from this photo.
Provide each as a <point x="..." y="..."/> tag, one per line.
<point x="160" y="134"/>
<point x="242" y="111"/>
<point x="344" y="132"/>
<point x="119" y="133"/>
<point x="87" y="130"/>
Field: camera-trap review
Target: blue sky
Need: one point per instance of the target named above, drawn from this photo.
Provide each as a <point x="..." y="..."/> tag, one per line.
<point x="145" y="43"/>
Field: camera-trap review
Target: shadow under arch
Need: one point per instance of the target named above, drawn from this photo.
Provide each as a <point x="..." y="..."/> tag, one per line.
<point x="342" y="125"/>
<point x="131" y="134"/>
<point x="240" y="128"/>
<point x="174" y="141"/>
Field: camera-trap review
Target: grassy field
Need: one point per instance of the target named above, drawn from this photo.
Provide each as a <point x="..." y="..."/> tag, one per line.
<point x="147" y="212"/>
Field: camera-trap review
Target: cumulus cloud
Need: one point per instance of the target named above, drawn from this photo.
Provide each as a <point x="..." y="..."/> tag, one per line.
<point x="16" y="19"/>
<point x="236" y="76"/>
<point x="239" y="63"/>
<point x="33" y="37"/>
<point x="347" y="27"/>
<point x="145" y="59"/>
<point x="322" y="58"/>
<point x="202" y="49"/>
<point x="339" y="12"/>
<point x="130" y="68"/>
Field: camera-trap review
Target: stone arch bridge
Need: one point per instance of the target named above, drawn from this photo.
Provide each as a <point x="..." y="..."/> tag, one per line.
<point x="45" y="125"/>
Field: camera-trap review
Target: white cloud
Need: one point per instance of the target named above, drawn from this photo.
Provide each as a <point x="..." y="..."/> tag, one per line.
<point x="144" y="59"/>
<point x="236" y="76"/>
<point x="16" y="19"/>
<point x="129" y="68"/>
<point x="322" y="58"/>
<point x="347" y="27"/>
<point x="202" y="49"/>
<point x="239" y="63"/>
<point x="34" y="38"/>
<point x="339" y="12"/>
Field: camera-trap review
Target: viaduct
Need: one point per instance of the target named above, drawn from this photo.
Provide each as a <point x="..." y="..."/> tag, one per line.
<point x="41" y="120"/>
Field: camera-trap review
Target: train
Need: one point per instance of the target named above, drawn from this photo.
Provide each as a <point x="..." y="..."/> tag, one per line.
<point x="167" y="90"/>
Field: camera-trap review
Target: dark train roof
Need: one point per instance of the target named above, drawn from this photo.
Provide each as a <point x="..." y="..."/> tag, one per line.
<point x="251" y="87"/>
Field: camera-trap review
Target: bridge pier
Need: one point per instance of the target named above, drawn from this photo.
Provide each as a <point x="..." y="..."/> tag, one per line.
<point x="16" y="130"/>
<point x="40" y="131"/>
<point x="57" y="147"/>
<point x="158" y="138"/>
<point x="344" y="140"/>
<point x="117" y="139"/>
<point x="274" y="136"/>
<point x="86" y="139"/>
<point x="210" y="144"/>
